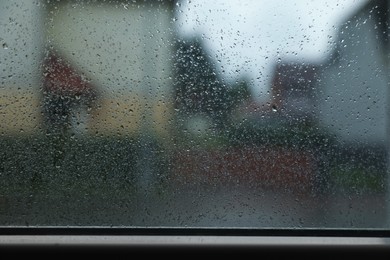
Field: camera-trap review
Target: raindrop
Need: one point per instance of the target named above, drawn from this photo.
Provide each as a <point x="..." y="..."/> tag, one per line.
<point x="5" y="46"/>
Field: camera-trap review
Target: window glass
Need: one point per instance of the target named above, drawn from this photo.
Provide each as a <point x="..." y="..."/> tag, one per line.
<point x="255" y="114"/>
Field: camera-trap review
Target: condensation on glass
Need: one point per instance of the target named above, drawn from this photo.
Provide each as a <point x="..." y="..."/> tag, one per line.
<point x="194" y="113"/>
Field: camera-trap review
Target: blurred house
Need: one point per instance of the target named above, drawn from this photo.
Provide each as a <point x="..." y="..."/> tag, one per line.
<point x="293" y="98"/>
<point x="354" y="83"/>
<point x="125" y="50"/>
<point x="117" y="53"/>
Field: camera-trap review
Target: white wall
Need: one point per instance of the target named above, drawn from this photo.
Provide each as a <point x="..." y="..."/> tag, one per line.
<point x="354" y="90"/>
<point x="21" y="46"/>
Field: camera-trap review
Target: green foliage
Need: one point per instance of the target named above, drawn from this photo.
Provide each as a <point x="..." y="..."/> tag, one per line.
<point x="278" y="133"/>
<point x="357" y="179"/>
<point x="61" y="163"/>
<point x="239" y="93"/>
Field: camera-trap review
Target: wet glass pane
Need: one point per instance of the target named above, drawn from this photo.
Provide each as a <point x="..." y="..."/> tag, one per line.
<point x="255" y="114"/>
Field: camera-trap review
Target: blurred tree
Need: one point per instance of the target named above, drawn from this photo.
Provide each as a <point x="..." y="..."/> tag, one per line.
<point x="198" y="87"/>
<point x="199" y="90"/>
<point x="238" y="93"/>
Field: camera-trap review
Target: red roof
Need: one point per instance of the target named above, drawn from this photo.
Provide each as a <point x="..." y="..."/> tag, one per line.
<point x="62" y="79"/>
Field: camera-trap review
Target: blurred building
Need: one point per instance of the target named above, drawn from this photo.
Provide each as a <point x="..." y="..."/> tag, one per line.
<point x="354" y="83"/>
<point x="125" y="50"/>
<point x="293" y="98"/>
<point x="117" y="53"/>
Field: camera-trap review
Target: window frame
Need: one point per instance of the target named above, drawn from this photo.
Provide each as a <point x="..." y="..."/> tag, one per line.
<point x="118" y="239"/>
